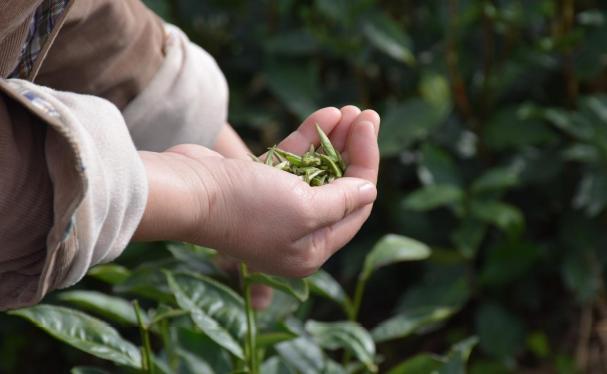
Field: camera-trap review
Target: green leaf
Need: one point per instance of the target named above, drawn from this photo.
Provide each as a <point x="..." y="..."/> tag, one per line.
<point x="215" y="309"/>
<point x="270" y="339"/>
<point x="437" y="167"/>
<point x="302" y="354"/>
<point x="501" y="334"/>
<point x="148" y="281"/>
<point x="591" y="194"/>
<point x="442" y="286"/>
<point x="423" y="363"/>
<point x="538" y="344"/>
<point x="467" y="237"/>
<point x="192" y="343"/>
<point x="509" y="262"/>
<point x="193" y="363"/>
<point x="199" y="259"/>
<point x="458" y="356"/>
<point x="505" y="216"/>
<point x="510" y="128"/>
<point x="581" y="273"/>
<point x="407" y="323"/>
<point x="296" y="85"/>
<point x="323" y="284"/>
<point x="432" y="197"/>
<point x="274" y="365"/>
<point x="434" y="88"/>
<point x="386" y="35"/>
<point x="83" y="332"/>
<point x="407" y="123"/>
<point x="295" y="287"/>
<point x="327" y="147"/>
<point x="110" y="273"/>
<point x="496" y="179"/>
<point x="283" y="305"/>
<point x="88" y="370"/>
<point x="110" y="307"/>
<point x="392" y="249"/>
<point x="345" y="335"/>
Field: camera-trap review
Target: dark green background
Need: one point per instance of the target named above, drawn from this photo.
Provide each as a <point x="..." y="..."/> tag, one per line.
<point x="494" y="152"/>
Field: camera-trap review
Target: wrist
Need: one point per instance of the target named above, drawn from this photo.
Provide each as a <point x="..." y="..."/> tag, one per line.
<point x="176" y="202"/>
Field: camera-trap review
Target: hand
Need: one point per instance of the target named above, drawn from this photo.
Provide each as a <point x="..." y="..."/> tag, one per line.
<point x="268" y="218"/>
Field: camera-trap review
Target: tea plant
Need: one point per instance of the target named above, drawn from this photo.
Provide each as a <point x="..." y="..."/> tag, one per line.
<point x="190" y="321"/>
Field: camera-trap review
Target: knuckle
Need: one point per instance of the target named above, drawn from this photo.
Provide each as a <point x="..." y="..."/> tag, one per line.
<point x="348" y="202"/>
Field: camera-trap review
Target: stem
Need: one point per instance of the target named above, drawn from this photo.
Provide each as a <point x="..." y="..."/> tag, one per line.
<point x="358" y="297"/>
<point x="354" y="309"/>
<point x="148" y="366"/>
<point x="165" y="331"/>
<point x="250" y="349"/>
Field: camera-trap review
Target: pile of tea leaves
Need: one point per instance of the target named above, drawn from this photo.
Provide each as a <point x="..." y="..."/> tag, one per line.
<point x="318" y="166"/>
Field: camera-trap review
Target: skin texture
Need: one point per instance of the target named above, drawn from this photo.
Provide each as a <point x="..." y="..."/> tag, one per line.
<point x="252" y="212"/>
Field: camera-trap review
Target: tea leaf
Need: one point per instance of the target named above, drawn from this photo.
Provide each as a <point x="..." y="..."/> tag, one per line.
<point x="199" y="259"/>
<point x="406" y="323"/>
<point x="323" y="284"/>
<point x="274" y="365"/>
<point x="110" y="273"/>
<point x="335" y="170"/>
<point x="386" y="35"/>
<point x="291" y="157"/>
<point x="433" y="196"/>
<point x="270" y="157"/>
<point x="458" y="356"/>
<point x="392" y="249"/>
<point x="272" y="338"/>
<point x="83" y="332"/>
<point x="297" y="288"/>
<point x="215" y="309"/>
<point x="195" y="344"/>
<point x="421" y="364"/>
<point x="302" y="354"/>
<point x="110" y="307"/>
<point x="327" y="147"/>
<point x="347" y="335"/>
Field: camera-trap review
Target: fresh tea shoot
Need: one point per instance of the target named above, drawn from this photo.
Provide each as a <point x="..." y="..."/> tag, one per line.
<point x="318" y="166"/>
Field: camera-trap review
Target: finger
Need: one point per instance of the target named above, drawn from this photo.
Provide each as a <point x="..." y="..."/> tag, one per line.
<point x="193" y="151"/>
<point x="332" y="202"/>
<point x="371" y="116"/>
<point x="339" y="135"/>
<point x="331" y="238"/>
<point x="299" y="140"/>
<point x="362" y="152"/>
<point x="261" y="296"/>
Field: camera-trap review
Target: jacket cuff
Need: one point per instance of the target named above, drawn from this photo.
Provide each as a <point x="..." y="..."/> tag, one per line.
<point x="186" y="101"/>
<point x="99" y="185"/>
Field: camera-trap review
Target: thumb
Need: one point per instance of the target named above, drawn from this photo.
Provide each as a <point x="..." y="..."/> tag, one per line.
<point x="334" y="201"/>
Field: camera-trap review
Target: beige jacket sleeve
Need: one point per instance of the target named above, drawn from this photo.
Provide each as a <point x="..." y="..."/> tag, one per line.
<point x="94" y="179"/>
<point x="98" y="183"/>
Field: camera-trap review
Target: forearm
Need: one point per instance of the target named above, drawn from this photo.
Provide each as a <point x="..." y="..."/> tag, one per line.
<point x="230" y="144"/>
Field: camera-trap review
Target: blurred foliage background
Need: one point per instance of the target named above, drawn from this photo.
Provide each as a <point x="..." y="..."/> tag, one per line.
<point x="494" y="152"/>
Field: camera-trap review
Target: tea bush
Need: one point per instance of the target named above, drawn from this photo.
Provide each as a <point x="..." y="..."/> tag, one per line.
<point x="494" y="154"/>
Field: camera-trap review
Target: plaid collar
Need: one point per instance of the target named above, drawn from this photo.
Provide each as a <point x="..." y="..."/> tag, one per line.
<point x="41" y="26"/>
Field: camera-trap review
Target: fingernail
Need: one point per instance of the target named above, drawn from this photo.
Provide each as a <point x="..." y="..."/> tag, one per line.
<point x="368" y="126"/>
<point x="368" y="193"/>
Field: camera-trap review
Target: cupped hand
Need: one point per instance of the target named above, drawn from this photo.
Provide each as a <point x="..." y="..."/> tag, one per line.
<point x="271" y="219"/>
